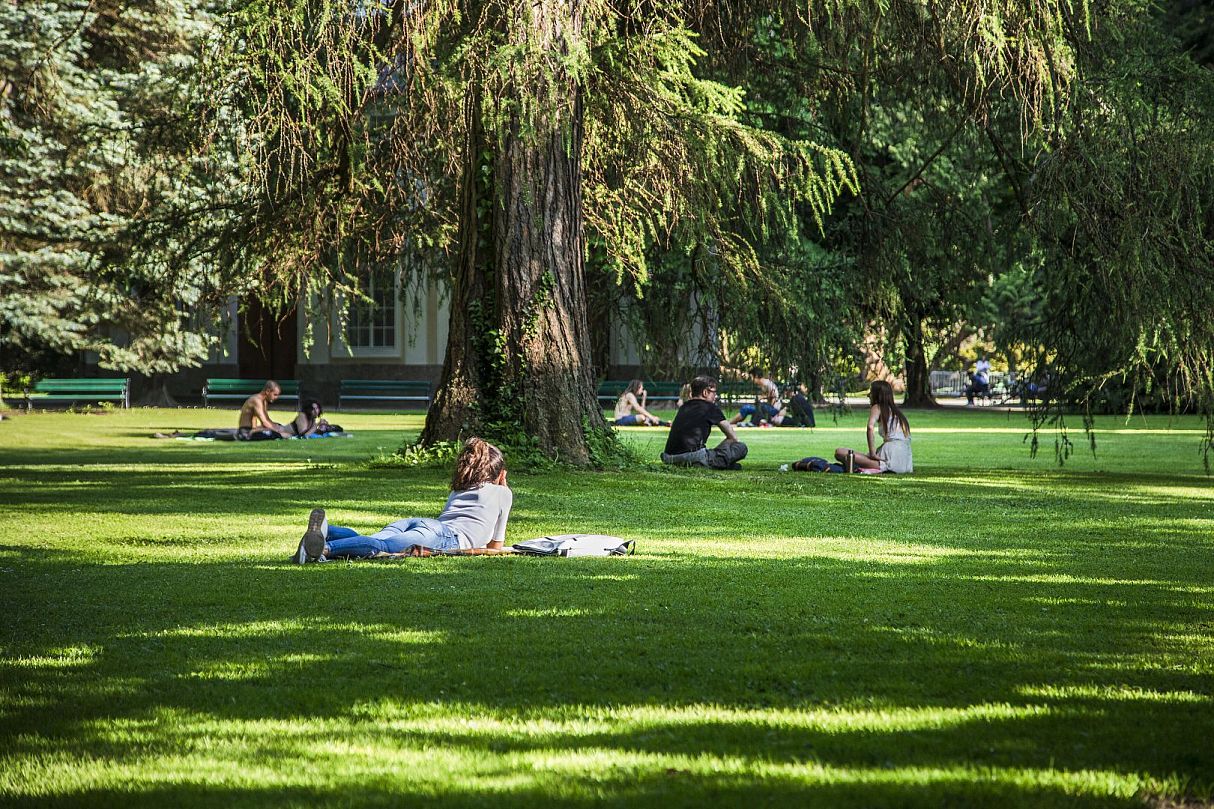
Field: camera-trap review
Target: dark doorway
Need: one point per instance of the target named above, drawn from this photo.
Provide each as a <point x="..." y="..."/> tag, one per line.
<point x="267" y="342"/>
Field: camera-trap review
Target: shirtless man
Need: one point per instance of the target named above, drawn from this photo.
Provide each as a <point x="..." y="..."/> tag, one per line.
<point x="255" y="421"/>
<point x="767" y="404"/>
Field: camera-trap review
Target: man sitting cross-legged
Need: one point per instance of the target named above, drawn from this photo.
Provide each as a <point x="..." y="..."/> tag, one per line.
<point x="687" y="443"/>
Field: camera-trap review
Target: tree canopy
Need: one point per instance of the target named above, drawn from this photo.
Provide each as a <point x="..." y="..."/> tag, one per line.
<point x="792" y="175"/>
<point x="92" y="99"/>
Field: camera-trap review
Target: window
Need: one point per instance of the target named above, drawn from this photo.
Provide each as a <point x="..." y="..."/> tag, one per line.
<point x="372" y="324"/>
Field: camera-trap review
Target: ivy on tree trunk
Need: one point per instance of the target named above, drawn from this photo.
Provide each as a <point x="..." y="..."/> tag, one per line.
<point x="518" y="362"/>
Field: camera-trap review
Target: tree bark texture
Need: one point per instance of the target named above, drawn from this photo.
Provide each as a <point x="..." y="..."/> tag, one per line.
<point x="453" y="413"/>
<point x="918" y="376"/>
<point x="518" y="353"/>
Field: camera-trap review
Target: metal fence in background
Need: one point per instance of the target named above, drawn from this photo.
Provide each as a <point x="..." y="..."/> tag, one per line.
<point x="952" y="383"/>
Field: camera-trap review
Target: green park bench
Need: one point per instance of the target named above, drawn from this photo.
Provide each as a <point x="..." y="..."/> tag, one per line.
<point x="244" y="388"/>
<point x="737" y="390"/>
<point x="79" y="390"/>
<point x="610" y="390"/>
<point x="388" y="390"/>
<point x="662" y="391"/>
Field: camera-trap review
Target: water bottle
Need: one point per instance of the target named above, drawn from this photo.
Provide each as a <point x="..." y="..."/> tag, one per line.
<point x="851" y="461"/>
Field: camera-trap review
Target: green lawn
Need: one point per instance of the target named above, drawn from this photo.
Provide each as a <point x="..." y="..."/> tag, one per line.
<point x="991" y="631"/>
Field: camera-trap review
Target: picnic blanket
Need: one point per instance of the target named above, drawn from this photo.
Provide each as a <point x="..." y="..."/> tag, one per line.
<point x="230" y="435"/>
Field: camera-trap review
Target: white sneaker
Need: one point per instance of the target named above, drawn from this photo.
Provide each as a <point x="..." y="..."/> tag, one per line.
<point x="782" y="468"/>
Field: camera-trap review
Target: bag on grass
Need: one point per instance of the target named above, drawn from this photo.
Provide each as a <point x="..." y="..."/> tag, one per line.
<point x="571" y="545"/>
<point x="817" y="464"/>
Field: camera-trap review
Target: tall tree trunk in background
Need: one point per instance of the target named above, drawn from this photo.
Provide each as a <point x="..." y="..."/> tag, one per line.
<point x="455" y="411"/>
<point x="518" y="354"/>
<point x="157" y="393"/>
<point x="918" y="376"/>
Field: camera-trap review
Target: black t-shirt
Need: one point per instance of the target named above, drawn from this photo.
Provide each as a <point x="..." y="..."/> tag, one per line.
<point x="691" y="426"/>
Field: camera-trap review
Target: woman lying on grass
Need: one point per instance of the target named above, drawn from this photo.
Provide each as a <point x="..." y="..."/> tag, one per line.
<point x="474" y="517"/>
<point x="886" y="418"/>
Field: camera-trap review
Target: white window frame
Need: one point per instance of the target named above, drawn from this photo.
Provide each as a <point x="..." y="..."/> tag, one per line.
<point x="342" y="348"/>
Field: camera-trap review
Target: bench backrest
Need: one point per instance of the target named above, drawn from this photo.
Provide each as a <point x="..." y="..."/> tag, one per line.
<point x="290" y="387"/>
<point x="613" y="388"/>
<point x="663" y="390"/>
<point x="83" y="386"/>
<point x="349" y="386"/>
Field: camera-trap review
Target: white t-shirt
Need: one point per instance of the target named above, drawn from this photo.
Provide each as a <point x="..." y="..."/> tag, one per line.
<point x="478" y="516"/>
<point x="982" y="370"/>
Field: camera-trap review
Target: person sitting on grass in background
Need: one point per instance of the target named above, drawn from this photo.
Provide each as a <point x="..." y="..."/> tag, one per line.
<point x="630" y="408"/>
<point x="474" y="517"/>
<point x="798" y="412"/>
<point x="255" y="423"/>
<point x="308" y="422"/>
<point x="884" y="418"/>
<point x="684" y="395"/>
<point x="686" y="445"/>
<point x="766" y="404"/>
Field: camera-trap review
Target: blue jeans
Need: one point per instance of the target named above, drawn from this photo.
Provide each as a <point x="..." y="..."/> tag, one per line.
<point x="398" y="537"/>
<point x="764" y="410"/>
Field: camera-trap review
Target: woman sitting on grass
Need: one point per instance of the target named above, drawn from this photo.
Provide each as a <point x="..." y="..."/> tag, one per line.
<point x="474" y="517"/>
<point x="884" y="417"/>
<point x="632" y="399"/>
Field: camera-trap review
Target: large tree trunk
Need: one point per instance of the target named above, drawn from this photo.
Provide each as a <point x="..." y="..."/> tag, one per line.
<point x="518" y="354"/>
<point x="455" y="413"/>
<point x="918" y="376"/>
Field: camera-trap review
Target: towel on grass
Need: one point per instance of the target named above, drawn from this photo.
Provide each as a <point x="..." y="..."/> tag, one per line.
<point x="559" y="545"/>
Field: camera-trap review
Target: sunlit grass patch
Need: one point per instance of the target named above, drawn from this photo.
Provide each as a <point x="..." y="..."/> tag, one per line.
<point x="993" y="630"/>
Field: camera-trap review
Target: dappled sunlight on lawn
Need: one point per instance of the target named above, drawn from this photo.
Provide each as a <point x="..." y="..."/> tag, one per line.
<point x="993" y="632"/>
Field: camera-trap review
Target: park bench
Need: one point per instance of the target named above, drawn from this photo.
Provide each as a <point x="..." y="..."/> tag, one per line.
<point x="662" y="391"/>
<point x="737" y="390"/>
<point x="610" y="390"/>
<point x="244" y="388"/>
<point x="79" y="390"/>
<point x="388" y="390"/>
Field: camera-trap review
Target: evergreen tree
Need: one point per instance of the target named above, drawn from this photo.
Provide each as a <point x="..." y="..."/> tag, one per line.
<point x="90" y="150"/>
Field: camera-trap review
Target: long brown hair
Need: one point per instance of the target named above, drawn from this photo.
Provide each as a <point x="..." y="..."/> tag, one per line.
<point x="634" y="387"/>
<point x="882" y="395"/>
<point x="479" y="462"/>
